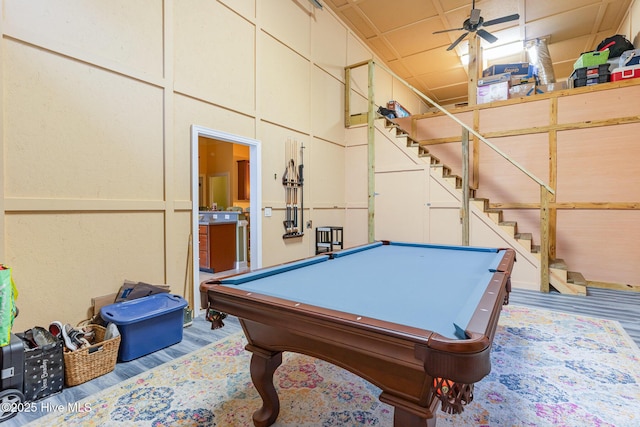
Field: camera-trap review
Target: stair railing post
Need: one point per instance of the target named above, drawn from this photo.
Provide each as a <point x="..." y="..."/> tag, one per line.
<point x="464" y="212"/>
<point x="545" y="196"/>
<point x="347" y="97"/>
<point x="371" y="159"/>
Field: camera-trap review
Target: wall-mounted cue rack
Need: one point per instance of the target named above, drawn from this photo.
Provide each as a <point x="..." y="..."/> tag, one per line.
<point x="293" y="181"/>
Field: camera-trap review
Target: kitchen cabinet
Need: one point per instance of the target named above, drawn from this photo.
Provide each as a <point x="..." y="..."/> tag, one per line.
<point x="217" y="244"/>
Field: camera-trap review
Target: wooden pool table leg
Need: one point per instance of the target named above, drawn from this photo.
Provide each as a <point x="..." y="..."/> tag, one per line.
<point x="402" y="418"/>
<point x="263" y="365"/>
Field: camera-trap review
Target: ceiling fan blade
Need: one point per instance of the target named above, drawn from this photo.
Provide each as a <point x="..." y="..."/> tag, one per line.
<point x="458" y="40"/>
<point x="501" y="20"/>
<point x="487" y="35"/>
<point x="474" y="18"/>
<point x="446" y="31"/>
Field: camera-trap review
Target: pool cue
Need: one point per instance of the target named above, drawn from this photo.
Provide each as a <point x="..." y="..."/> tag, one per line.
<point x="285" y="182"/>
<point x="294" y="163"/>
<point x="288" y="228"/>
<point x="301" y="185"/>
<point x="290" y="217"/>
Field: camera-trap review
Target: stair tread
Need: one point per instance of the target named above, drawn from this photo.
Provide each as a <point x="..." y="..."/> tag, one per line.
<point x="558" y="263"/>
<point x="524" y="236"/>
<point x="576" y="278"/>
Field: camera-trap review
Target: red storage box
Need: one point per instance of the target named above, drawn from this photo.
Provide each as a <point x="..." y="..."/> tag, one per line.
<point x="624" y="73"/>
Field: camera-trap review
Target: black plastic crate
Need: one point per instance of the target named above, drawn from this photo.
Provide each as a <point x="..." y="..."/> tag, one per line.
<point x="590" y="72"/>
<point x="590" y="81"/>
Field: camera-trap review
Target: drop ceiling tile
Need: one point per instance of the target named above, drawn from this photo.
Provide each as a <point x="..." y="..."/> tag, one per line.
<point x="537" y="9"/>
<point x="337" y="3"/>
<point x="360" y="25"/>
<point x="567" y="25"/>
<point x="610" y="20"/>
<point x="497" y="8"/>
<point x="417" y="38"/>
<point x="438" y="79"/>
<point x="382" y="49"/>
<point x="449" y="5"/>
<point x="399" y="68"/>
<point x="431" y="60"/>
<point x="405" y="12"/>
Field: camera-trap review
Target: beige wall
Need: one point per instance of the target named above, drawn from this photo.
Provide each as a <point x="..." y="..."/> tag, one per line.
<point x="98" y="102"/>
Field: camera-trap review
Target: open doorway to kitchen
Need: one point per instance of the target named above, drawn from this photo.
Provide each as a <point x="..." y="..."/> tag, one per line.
<point x="225" y="176"/>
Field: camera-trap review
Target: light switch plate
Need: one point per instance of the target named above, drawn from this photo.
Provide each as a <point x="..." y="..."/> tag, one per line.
<point x="267" y="211"/>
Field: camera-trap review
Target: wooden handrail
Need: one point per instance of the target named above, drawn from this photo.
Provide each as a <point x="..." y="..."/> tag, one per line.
<point x="546" y="192"/>
<point x="471" y="130"/>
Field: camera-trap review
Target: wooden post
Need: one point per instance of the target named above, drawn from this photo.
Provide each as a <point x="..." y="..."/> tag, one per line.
<point x="553" y="177"/>
<point x="347" y="97"/>
<point x="545" y="196"/>
<point x="464" y="212"/>
<point x="371" y="158"/>
<point x="475" y="170"/>
<point x="474" y="67"/>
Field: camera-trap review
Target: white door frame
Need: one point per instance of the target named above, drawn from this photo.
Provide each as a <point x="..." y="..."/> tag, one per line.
<point x="255" y="203"/>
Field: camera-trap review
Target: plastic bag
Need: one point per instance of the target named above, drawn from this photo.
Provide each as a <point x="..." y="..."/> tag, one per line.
<point x="8" y="310"/>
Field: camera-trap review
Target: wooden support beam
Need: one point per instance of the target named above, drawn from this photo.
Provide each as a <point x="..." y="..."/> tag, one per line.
<point x="474" y="67"/>
<point x="371" y="157"/>
<point x="464" y="212"/>
<point x="544" y="239"/>
<point x="553" y="177"/>
<point x="347" y="97"/>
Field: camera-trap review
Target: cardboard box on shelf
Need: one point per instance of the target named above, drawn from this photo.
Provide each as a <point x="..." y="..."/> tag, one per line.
<point x="491" y="93"/>
<point x="526" y="89"/>
<point x="496" y="78"/>
<point x="517" y="69"/>
<point x="551" y="87"/>
<point x="522" y="79"/>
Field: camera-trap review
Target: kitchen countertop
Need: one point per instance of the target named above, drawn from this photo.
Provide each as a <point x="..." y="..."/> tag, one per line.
<point x="218" y="217"/>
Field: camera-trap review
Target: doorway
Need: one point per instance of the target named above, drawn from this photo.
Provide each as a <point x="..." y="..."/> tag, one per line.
<point x="200" y="189"/>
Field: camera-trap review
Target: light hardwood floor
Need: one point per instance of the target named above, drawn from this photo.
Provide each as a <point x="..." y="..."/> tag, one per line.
<point x="616" y="305"/>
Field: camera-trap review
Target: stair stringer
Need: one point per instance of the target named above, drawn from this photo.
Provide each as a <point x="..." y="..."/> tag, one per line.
<point x="560" y="278"/>
<point x="484" y="232"/>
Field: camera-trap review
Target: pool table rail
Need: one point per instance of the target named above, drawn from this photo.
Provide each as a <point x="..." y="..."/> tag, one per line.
<point x="402" y="361"/>
<point x="387" y="360"/>
<point x="416" y="369"/>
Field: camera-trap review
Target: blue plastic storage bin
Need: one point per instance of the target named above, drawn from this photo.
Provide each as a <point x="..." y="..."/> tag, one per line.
<point x="146" y="324"/>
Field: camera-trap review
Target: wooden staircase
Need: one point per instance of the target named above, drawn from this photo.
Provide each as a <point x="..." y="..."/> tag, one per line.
<point x="560" y="278"/>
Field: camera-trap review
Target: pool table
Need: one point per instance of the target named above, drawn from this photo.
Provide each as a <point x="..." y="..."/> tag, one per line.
<point x="415" y="320"/>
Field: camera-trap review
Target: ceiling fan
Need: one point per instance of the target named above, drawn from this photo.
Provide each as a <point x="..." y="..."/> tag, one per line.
<point x="475" y="22"/>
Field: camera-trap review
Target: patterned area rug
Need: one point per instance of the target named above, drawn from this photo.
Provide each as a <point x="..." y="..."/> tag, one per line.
<point x="548" y="369"/>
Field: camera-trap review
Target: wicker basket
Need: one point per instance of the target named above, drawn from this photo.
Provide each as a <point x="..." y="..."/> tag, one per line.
<point x="91" y="362"/>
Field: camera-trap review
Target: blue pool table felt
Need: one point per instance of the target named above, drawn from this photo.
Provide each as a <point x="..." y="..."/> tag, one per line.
<point x="428" y="287"/>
